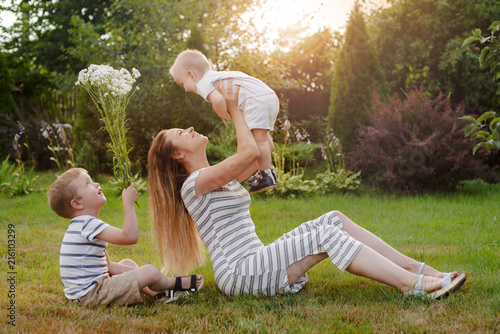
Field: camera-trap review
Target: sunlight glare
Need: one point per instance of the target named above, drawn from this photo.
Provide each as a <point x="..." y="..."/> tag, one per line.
<point x="308" y="16"/>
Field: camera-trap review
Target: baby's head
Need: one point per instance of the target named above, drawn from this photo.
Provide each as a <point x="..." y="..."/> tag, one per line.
<point x="62" y="192"/>
<point x="188" y="68"/>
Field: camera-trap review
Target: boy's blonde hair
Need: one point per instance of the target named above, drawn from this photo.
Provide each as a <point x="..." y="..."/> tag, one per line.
<point x="191" y="60"/>
<point x="60" y="193"/>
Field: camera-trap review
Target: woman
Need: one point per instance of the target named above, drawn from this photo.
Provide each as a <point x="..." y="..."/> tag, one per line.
<point x="190" y="199"/>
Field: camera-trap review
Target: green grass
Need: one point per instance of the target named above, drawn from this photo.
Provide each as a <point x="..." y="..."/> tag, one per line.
<point x="458" y="231"/>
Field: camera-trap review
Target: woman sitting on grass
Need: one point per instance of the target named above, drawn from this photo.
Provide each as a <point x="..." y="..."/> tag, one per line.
<point x="190" y="199"/>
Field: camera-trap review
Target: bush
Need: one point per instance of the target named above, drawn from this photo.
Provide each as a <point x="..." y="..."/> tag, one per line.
<point x="416" y="144"/>
<point x="222" y="143"/>
<point x="6" y="173"/>
<point x="87" y="159"/>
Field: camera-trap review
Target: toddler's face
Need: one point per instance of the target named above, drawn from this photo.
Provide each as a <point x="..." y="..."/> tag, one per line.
<point x="185" y="78"/>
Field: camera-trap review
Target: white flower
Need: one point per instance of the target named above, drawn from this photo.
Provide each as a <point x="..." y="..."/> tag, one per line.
<point x="117" y="83"/>
<point x="136" y="73"/>
<point x="323" y="153"/>
<point x="286" y="125"/>
<point x="45" y="130"/>
<point x="15" y="142"/>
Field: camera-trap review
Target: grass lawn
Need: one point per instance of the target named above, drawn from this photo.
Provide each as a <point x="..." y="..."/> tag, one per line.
<point x="458" y="231"/>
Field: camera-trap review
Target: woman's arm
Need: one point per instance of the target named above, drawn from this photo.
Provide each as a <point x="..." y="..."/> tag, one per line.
<point x="247" y="152"/>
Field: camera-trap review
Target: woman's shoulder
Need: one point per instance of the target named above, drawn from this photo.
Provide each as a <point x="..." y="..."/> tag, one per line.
<point x="188" y="187"/>
<point x="192" y="178"/>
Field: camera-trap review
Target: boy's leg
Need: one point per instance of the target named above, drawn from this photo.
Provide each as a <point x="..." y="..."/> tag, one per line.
<point x="150" y="276"/>
<point x="265" y="178"/>
<point x="262" y="138"/>
<point x="270" y="141"/>
<point x="129" y="264"/>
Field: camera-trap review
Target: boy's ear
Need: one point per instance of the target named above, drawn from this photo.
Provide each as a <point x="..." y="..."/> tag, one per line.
<point x="76" y="204"/>
<point x="191" y="74"/>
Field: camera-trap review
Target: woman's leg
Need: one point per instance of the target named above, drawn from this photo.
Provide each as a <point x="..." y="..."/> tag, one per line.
<point x="379" y="246"/>
<point x="369" y="264"/>
<point x="298" y="269"/>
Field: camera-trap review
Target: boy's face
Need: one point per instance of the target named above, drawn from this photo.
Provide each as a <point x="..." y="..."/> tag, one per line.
<point x="186" y="79"/>
<point x="88" y="193"/>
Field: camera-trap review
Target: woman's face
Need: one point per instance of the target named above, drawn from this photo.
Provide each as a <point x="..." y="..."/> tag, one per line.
<point x="186" y="141"/>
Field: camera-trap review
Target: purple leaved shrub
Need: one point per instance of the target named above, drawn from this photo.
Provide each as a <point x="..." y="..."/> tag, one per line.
<point x="416" y="144"/>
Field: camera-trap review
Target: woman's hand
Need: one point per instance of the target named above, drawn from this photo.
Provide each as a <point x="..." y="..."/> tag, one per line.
<point x="228" y="94"/>
<point x="247" y="152"/>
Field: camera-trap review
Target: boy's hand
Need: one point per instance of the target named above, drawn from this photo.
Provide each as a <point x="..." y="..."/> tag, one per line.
<point x="130" y="195"/>
<point x="108" y="261"/>
<point x="129" y="235"/>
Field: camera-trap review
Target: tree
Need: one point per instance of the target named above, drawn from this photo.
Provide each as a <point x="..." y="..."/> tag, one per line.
<point x="487" y="126"/>
<point x="148" y="36"/>
<point x="357" y="74"/>
<point x="419" y="45"/>
<point x="7" y="102"/>
<point x="56" y="39"/>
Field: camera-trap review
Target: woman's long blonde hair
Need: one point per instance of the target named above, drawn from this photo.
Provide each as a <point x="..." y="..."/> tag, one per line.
<point x="177" y="239"/>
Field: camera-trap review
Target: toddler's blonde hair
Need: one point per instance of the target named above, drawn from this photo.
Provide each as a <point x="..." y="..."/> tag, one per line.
<point x="191" y="60"/>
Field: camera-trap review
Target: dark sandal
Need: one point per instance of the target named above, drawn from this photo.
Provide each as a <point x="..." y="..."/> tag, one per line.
<point x="178" y="291"/>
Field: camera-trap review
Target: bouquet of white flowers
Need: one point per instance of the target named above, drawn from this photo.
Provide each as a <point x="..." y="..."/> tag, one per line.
<point x="111" y="91"/>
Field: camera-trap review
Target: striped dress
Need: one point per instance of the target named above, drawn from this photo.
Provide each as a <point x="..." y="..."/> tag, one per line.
<point x="240" y="261"/>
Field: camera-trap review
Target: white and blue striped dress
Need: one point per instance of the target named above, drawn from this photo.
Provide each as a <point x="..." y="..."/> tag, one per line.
<point x="240" y="261"/>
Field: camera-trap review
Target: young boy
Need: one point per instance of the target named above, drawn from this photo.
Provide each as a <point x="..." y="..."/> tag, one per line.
<point x="259" y="104"/>
<point x="89" y="277"/>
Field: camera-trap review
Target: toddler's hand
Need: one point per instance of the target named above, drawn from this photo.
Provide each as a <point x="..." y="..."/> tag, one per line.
<point x="130" y="195"/>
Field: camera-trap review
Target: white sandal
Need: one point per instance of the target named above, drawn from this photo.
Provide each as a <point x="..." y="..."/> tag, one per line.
<point x="418" y="288"/>
<point x="446" y="276"/>
<point x="446" y="287"/>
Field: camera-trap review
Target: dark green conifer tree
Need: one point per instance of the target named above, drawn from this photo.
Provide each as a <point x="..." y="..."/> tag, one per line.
<point x="357" y="74"/>
<point x="7" y="102"/>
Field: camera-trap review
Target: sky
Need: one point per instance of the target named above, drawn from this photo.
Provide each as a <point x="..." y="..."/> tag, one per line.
<point x="312" y="14"/>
